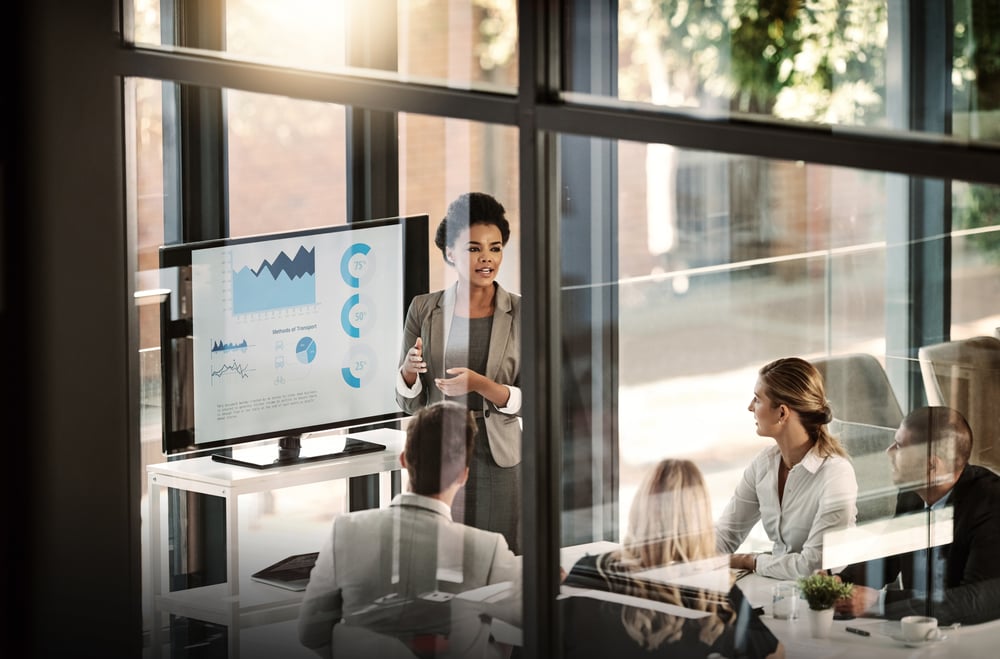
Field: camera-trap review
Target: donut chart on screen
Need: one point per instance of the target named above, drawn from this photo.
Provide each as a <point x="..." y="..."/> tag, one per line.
<point x="357" y="315"/>
<point x="357" y="265"/>
<point x="359" y="362"/>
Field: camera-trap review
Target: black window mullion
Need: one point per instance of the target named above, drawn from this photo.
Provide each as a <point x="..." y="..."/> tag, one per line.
<point x="918" y="259"/>
<point x="589" y="242"/>
<point x="195" y="170"/>
<point x="372" y="161"/>
<point x="372" y="164"/>
<point x="539" y="75"/>
<point x="372" y="135"/>
<point x="204" y="170"/>
<point x="201" y="138"/>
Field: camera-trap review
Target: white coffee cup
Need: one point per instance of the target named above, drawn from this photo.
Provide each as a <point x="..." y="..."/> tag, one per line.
<point x="919" y="628"/>
<point x="785" y="601"/>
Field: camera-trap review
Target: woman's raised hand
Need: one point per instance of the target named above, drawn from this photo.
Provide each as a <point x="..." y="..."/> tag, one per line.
<point x="414" y="362"/>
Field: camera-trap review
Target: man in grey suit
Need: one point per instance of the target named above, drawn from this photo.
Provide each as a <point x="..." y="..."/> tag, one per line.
<point x="385" y="579"/>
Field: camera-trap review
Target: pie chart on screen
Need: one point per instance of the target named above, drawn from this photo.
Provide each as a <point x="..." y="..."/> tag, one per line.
<point x="305" y="350"/>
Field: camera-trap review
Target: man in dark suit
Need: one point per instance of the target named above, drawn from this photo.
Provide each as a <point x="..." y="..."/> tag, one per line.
<point x="955" y="582"/>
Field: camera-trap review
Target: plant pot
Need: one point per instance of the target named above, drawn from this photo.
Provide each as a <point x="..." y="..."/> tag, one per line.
<point x="820" y="622"/>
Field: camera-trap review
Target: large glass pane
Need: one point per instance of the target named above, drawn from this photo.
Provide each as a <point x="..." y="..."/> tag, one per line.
<point x="305" y="34"/>
<point x="146" y="15"/>
<point x="464" y="175"/>
<point x="148" y="181"/>
<point x="474" y="42"/>
<point x="284" y="168"/>
<point x="723" y="264"/>
<point x="469" y="44"/>
<point x="744" y="262"/>
<point x="287" y="163"/>
<point x="869" y="64"/>
<point x="964" y="370"/>
<point x="440" y="159"/>
<point x="975" y="261"/>
<point x="286" y="171"/>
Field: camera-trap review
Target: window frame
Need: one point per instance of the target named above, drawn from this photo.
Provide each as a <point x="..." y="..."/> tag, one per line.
<point x="541" y="112"/>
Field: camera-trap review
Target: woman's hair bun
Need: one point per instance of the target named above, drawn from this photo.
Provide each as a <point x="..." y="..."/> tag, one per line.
<point x="827" y="413"/>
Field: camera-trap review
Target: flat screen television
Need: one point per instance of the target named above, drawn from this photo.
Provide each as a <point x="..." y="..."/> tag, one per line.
<point x="286" y="334"/>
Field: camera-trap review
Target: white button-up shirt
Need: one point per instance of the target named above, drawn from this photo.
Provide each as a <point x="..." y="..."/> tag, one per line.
<point x="820" y="496"/>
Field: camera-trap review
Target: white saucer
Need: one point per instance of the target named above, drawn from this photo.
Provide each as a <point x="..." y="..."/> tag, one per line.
<point x="919" y="644"/>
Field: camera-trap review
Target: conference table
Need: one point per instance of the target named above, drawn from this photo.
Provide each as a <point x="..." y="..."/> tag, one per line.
<point x="976" y="641"/>
<point x="972" y="641"/>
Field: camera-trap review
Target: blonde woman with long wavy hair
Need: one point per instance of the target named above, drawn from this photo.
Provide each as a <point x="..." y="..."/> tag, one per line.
<point x="669" y="524"/>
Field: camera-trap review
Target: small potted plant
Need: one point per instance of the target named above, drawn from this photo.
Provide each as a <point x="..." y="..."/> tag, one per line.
<point x="821" y="591"/>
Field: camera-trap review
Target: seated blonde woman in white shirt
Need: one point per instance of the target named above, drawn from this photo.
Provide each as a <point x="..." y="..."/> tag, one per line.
<point x="801" y="488"/>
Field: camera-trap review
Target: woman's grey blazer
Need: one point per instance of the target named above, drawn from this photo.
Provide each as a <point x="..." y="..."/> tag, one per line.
<point x="429" y="317"/>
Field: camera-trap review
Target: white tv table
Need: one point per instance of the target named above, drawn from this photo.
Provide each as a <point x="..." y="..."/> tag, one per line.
<point x="228" y="603"/>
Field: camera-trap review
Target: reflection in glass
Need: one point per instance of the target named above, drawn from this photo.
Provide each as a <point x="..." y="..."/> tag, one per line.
<point x="820" y="62"/>
<point x="975" y="257"/>
<point x="725" y="262"/>
<point x="442" y="158"/>
<point x="827" y="62"/>
<point x="287" y="163"/>
<point x="461" y="42"/>
<point x="406" y="577"/>
<point x="765" y="259"/>
<point x="469" y="44"/>
<point x="308" y="34"/>
<point x="665" y="590"/>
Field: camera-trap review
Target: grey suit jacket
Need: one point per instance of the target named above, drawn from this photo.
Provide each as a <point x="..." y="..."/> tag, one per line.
<point x="402" y="551"/>
<point x="429" y="317"/>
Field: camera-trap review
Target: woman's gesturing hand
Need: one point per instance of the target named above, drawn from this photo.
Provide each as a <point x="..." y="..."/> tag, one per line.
<point x="414" y="362"/>
<point x="462" y="382"/>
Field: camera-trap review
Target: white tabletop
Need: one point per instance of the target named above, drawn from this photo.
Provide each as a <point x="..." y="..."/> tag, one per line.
<point x="972" y="641"/>
<point x="966" y="641"/>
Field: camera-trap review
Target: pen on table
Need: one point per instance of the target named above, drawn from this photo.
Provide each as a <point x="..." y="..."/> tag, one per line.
<point x="859" y="632"/>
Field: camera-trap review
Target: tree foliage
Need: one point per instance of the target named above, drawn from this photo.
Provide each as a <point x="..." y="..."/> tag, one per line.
<point x="809" y="60"/>
<point x="980" y="209"/>
<point x="976" y="77"/>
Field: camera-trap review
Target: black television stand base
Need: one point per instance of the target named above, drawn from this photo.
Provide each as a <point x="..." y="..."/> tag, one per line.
<point x="292" y="452"/>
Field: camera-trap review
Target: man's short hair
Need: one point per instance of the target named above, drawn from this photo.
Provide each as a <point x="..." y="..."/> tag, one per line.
<point x="945" y="429"/>
<point x="439" y="441"/>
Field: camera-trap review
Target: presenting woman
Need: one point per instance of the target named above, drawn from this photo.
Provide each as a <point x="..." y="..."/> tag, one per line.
<point x="802" y="487"/>
<point x="464" y="344"/>
<point x="653" y="608"/>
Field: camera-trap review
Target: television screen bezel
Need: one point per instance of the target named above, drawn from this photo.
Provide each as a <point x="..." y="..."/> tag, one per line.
<point x="181" y="441"/>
